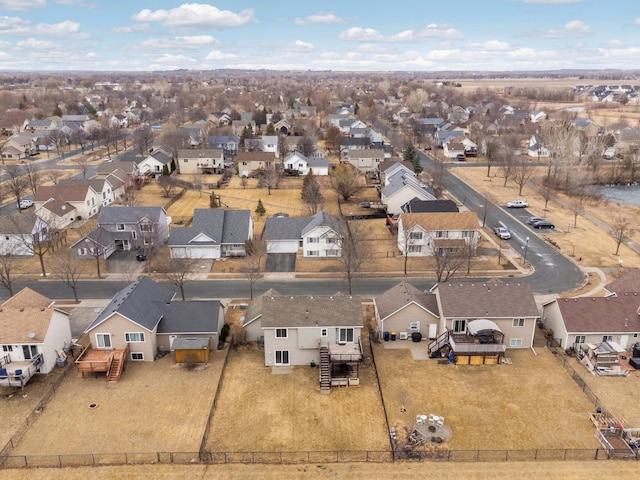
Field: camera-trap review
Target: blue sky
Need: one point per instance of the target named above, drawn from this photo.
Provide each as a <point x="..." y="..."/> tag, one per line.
<point x="143" y="35"/>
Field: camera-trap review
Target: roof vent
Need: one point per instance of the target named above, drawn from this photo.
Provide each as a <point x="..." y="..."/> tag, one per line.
<point x="31" y="335"/>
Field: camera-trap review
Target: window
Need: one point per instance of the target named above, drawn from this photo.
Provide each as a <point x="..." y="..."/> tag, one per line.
<point x="148" y="241"/>
<point x="415" y="249"/>
<point x="186" y="160"/>
<point x="581" y="339"/>
<point x="332" y="240"/>
<point x="146" y="227"/>
<point x="467" y="234"/>
<point x="135" y="337"/>
<point x="6" y="237"/>
<point x="120" y="227"/>
<point x="103" y="340"/>
<point x="333" y="253"/>
<point x="29" y="351"/>
<point x="323" y="332"/>
<point x="415" y="235"/>
<point x="281" y="333"/>
<point x="82" y="251"/>
<point x="313" y="240"/>
<point x="134" y="234"/>
<point x="459" y="326"/>
<point x="313" y="253"/>
<point x="282" y="357"/>
<point x="607" y="338"/>
<point x="442" y="234"/>
<point x="518" y="322"/>
<point x="414" y="326"/>
<point x="345" y="335"/>
<point x="515" y="342"/>
<point x="7" y="348"/>
<point x="137" y="356"/>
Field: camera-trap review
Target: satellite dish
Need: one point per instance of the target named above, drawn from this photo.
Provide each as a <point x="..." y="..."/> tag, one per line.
<point x="64" y="207"/>
<point x="31" y="335"/>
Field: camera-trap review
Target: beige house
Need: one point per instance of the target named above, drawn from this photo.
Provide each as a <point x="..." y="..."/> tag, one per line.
<point x="249" y="162"/>
<point x="437" y="233"/>
<point x="405" y="310"/>
<point x="193" y="161"/>
<point x="366" y="160"/>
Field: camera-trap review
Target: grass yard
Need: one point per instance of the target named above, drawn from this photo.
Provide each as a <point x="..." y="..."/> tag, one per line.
<point x="530" y="404"/>
<point x="155" y="407"/>
<point x="260" y="411"/>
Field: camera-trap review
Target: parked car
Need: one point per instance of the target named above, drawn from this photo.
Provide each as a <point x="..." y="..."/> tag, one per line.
<point x="25" y="203"/>
<point x="517" y="204"/>
<point x="502" y="231"/>
<point x="141" y="257"/>
<point x="460" y="157"/>
<point x="542" y="223"/>
<point x="532" y="220"/>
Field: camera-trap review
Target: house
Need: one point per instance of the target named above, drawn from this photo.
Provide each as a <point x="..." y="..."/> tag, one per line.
<point x="21" y="233"/>
<point x="429" y="234"/>
<point x="453" y="148"/>
<point x="405" y="310"/>
<point x="227" y="143"/>
<point x="214" y="233"/>
<point x="297" y="162"/>
<point x="575" y="322"/>
<point x="322" y="330"/>
<point x="33" y="332"/>
<point x="19" y="146"/>
<point x="424" y="206"/>
<point x="80" y="195"/>
<point x="189" y="320"/>
<point x="537" y="149"/>
<point x="282" y="127"/>
<point x="249" y="162"/>
<point x="480" y="320"/>
<point x="192" y="134"/>
<point x="536" y="116"/>
<point x="125" y="228"/>
<point x="57" y="213"/>
<point x="252" y="323"/>
<point x="154" y="163"/>
<point x="269" y="143"/>
<point x="401" y="188"/>
<point x="238" y="126"/>
<point x="196" y="161"/>
<point x="366" y="160"/>
<point x="317" y="236"/>
<point x="119" y="121"/>
<point x="348" y="145"/>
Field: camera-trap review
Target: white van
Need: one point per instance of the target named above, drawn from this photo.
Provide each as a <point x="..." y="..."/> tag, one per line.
<point x="502" y="231"/>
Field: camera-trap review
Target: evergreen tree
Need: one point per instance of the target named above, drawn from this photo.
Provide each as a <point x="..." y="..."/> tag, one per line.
<point x="165" y="170"/>
<point x="356" y="109"/>
<point x="173" y="165"/>
<point x="411" y="155"/>
<point x="271" y="130"/>
<point x="260" y="210"/>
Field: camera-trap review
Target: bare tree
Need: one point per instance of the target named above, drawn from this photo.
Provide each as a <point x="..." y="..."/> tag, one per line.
<point x="32" y="176"/>
<point x="35" y="236"/>
<point x="345" y="180"/>
<point x="271" y="178"/>
<point x="16" y="182"/>
<point x="83" y="164"/>
<point x="447" y="260"/>
<point x="8" y="272"/>
<point x="488" y="203"/>
<point x="351" y="236"/>
<point x="142" y="140"/>
<point x="69" y="270"/>
<point x="312" y="193"/>
<point x="78" y="137"/>
<point x="283" y="146"/>
<point x="506" y="167"/>
<point x="306" y="146"/>
<point x="54" y="176"/>
<point x="620" y="228"/>
<point x="436" y="176"/>
<point x="167" y="184"/>
<point x="409" y="237"/>
<point x="493" y="153"/>
<point x="96" y="242"/>
<point x="331" y="138"/>
<point x="58" y="139"/>
<point x="522" y="171"/>
<point x="256" y="251"/>
<point x="581" y="190"/>
<point x="179" y="271"/>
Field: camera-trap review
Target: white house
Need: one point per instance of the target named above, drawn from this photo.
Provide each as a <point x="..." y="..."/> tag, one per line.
<point x="194" y="161"/>
<point x="296" y="161"/>
<point x="428" y="234"/>
<point x="19" y="233"/>
<point x="317" y="236"/>
<point x="401" y="188"/>
<point x="154" y="163"/>
<point x="536" y="149"/>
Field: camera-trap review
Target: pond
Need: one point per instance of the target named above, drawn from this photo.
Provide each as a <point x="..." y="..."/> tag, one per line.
<point x="624" y="194"/>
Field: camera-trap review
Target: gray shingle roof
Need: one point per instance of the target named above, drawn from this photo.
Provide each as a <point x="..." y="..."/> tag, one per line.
<point x="601" y="314"/>
<point x="254" y="310"/>
<point x="308" y="310"/>
<point x="222" y="226"/>
<point x="124" y="214"/>
<point x="288" y="228"/>
<point x="321" y="219"/>
<point x="401" y="295"/>
<point x="190" y="317"/>
<point x="139" y="302"/>
<point x="21" y="223"/>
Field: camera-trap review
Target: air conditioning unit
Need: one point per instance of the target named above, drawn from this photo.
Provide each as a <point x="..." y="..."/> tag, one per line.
<point x="404" y="335"/>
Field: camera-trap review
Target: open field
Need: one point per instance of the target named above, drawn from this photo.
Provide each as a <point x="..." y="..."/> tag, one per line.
<point x="155" y="407"/>
<point x="530" y="404"/>
<point x="261" y="411"/>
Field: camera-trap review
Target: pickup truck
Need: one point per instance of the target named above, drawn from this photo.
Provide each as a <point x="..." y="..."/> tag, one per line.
<point x="517" y="204"/>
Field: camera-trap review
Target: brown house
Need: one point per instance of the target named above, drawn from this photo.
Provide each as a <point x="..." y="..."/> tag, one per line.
<point x="249" y="162"/>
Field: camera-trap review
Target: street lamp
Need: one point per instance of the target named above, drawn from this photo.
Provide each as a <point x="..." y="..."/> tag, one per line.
<point x="526" y="247"/>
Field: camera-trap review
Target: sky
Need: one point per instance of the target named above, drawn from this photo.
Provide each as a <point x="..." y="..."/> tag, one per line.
<point x="373" y="35"/>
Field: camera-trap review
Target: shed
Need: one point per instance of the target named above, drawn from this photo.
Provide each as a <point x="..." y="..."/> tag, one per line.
<point x="191" y="349"/>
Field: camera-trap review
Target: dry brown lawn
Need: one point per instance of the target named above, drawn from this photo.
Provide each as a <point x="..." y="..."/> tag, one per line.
<point x="260" y="411"/>
<point x="530" y="404"/>
<point x="155" y="407"/>
<point x="592" y="245"/>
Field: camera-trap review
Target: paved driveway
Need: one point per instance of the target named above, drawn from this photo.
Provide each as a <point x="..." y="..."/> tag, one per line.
<point x="125" y="262"/>
<point x="281" y="262"/>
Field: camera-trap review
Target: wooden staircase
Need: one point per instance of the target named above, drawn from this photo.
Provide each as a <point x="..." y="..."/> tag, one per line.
<point x="325" y="371"/>
<point x="438" y="343"/>
<point x="117" y="365"/>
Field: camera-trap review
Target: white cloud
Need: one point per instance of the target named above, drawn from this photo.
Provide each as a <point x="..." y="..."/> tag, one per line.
<point x="300" y="46"/>
<point x="491" y="45"/>
<point x="575" y="28"/>
<point x="362" y="34"/>
<point x="190" y="42"/>
<point x="218" y="56"/>
<point x="77" y="3"/>
<point x="319" y="18"/>
<point x="196" y="15"/>
<point x="637" y="21"/>
<point x="174" y="59"/>
<point x="33" y="44"/>
<point x="19" y="26"/>
<point x="22" y="5"/>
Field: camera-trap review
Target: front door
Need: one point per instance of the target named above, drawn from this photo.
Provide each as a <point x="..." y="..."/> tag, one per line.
<point x="29" y="351"/>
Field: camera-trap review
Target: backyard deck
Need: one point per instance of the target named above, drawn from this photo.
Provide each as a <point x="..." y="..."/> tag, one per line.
<point x="17" y="374"/>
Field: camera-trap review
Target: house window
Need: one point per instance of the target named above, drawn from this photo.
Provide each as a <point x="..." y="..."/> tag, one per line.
<point x="313" y="253"/>
<point x="635" y="335"/>
<point x="82" y="251"/>
<point x="515" y="342"/>
<point x="323" y="332"/>
<point x="281" y="357"/>
<point x="6" y="237"/>
<point x="345" y="335"/>
<point x="29" y="351"/>
<point x="467" y="233"/>
<point x="581" y="339"/>
<point x="415" y="235"/>
<point x="103" y="340"/>
<point x="414" y="326"/>
<point x="134" y="234"/>
<point x="148" y="241"/>
<point x="137" y="356"/>
<point x="120" y="227"/>
<point x="135" y="337"/>
<point x="7" y="348"/>
<point x="281" y="333"/>
<point x="607" y="338"/>
<point x="313" y="240"/>
<point x="518" y="322"/>
<point x="332" y="240"/>
<point x="333" y="253"/>
<point x="442" y="234"/>
<point x="415" y="249"/>
<point x="459" y="326"/>
<point x="186" y="160"/>
<point x="146" y="227"/>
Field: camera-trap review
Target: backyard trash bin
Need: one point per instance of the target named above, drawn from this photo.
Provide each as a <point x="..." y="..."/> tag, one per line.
<point x="60" y="362"/>
<point x="386" y="336"/>
<point x="416" y="337"/>
<point x="393" y="336"/>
